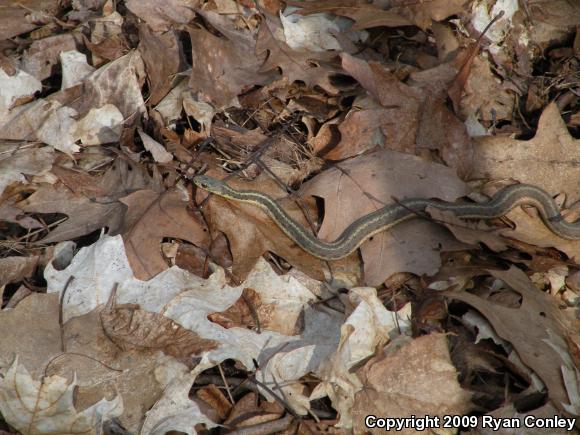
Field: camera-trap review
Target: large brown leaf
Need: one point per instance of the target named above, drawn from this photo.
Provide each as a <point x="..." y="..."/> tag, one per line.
<point x="151" y="217"/>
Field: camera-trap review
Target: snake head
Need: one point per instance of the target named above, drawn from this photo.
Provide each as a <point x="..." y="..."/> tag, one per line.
<point x="210" y="184"/>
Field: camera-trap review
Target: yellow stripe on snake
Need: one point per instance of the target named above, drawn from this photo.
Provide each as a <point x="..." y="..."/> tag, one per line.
<point x="383" y="219"/>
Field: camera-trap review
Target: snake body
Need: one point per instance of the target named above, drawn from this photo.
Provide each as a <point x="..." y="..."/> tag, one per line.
<point x="384" y="218"/>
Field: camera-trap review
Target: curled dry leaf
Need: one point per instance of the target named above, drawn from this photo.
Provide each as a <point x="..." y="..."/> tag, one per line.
<point x="132" y="328"/>
<point x="216" y="401"/>
<point x="243" y="314"/>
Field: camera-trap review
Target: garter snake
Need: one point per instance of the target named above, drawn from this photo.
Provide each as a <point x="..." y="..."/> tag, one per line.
<point x="384" y="218"/>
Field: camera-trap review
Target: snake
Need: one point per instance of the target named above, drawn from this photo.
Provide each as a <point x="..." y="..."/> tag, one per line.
<point x="393" y="214"/>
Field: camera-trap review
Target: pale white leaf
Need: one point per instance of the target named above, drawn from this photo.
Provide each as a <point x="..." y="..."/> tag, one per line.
<point x="34" y="408"/>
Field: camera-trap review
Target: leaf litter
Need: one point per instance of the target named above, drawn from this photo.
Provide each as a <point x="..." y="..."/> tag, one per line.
<point x="167" y="309"/>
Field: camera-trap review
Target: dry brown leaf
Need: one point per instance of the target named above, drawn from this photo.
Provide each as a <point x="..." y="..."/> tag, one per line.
<point x="223" y="69"/>
<point x="537" y="329"/>
<point x="16" y="19"/>
<point x="252" y="313"/>
<point x="214" y="398"/>
<point x="470" y="232"/>
<point x="129" y="327"/>
<point x="486" y="95"/>
<point x="313" y="68"/>
<point x="31" y="332"/>
<point x="366" y="183"/>
<point x="243" y="314"/>
<point x="111" y="48"/>
<point x="90" y="202"/>
<point x="160" y="69"/>
<point x="398" y="116"/>
<point x="162" y="16"/>
<point x="418" y="379"/>
<point x="16" y="162"/>
<point x="14" y="269"/>
<point x="359" y="132"/>
<point x="248" y="410"/>
<point x="151" y="217"/>
<point x="550" y="160"/>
